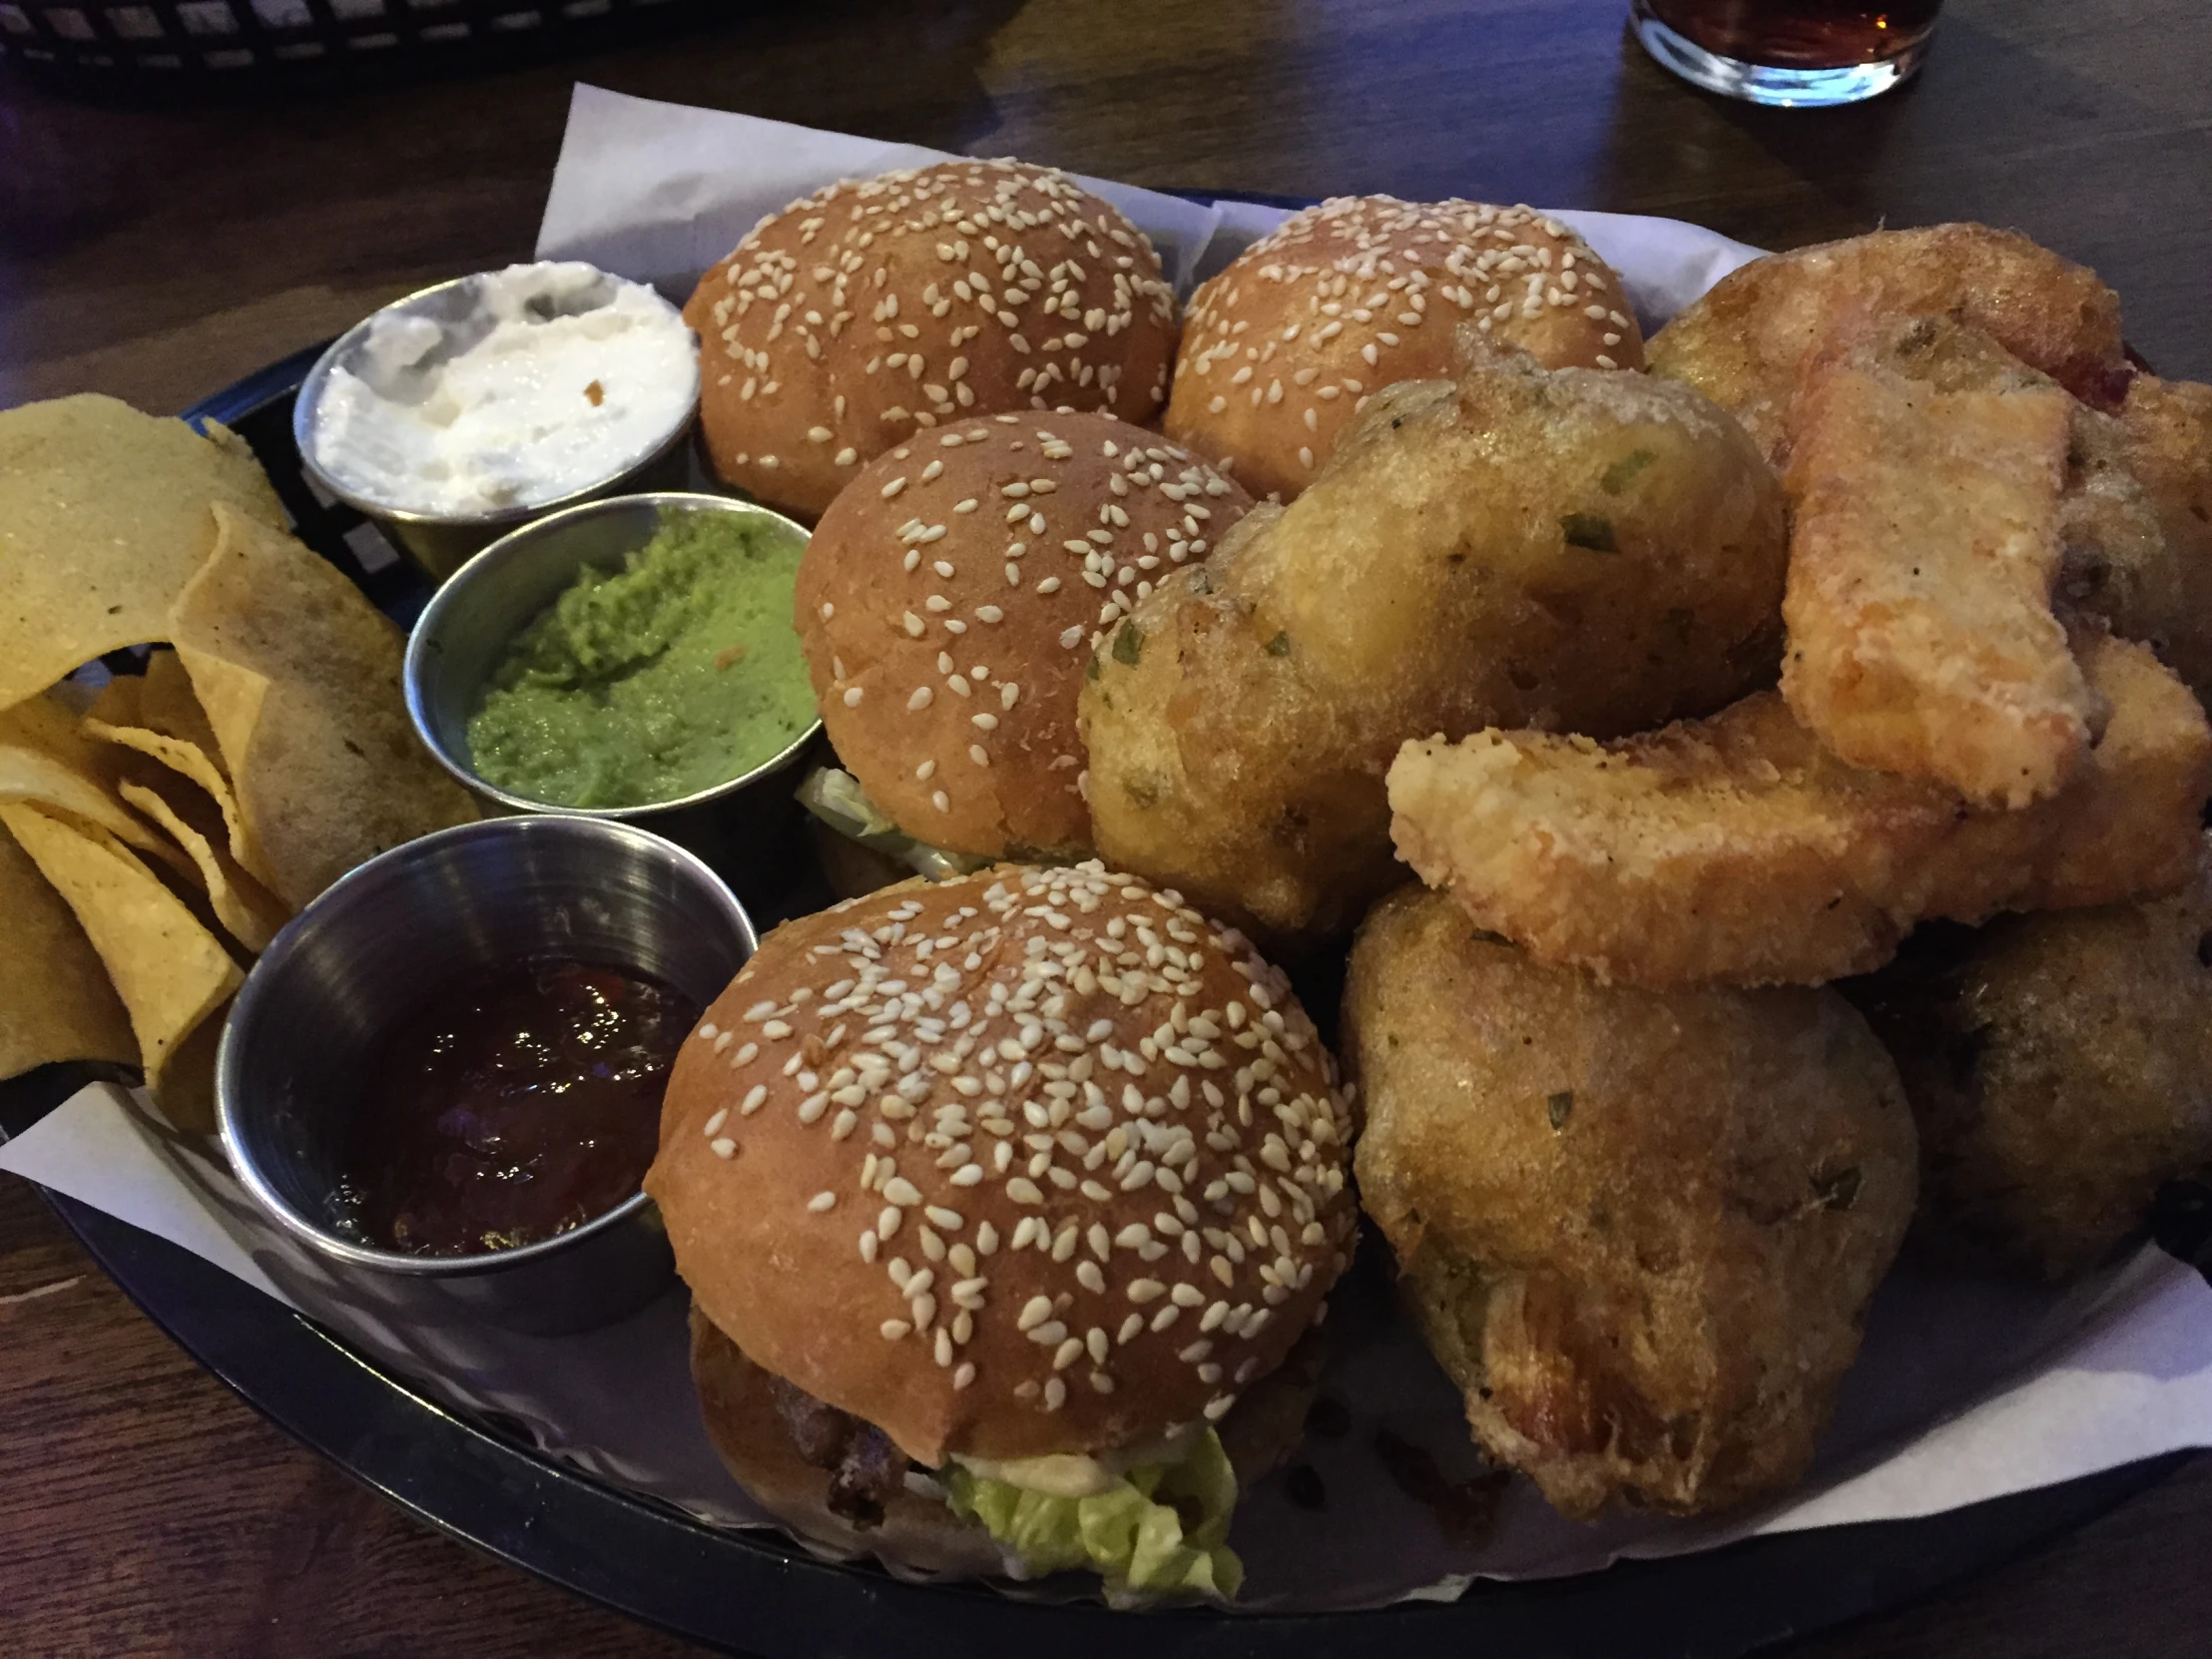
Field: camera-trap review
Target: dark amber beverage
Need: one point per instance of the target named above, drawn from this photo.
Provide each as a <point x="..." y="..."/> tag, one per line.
<point x="1792" y="52"/>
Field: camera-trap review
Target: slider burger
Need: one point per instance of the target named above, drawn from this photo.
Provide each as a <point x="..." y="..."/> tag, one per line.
<point x="878" y="309"/>
<point x="1286" y="345"/>
<point x="950" y="599"/>
<point x="999" y="1200"/>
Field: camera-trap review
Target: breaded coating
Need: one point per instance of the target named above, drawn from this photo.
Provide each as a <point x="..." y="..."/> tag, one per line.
<point x="1639" y="1231"/>
<point x="1738" y="850"/>
<point x="2117" y="560"/>
<point x="2060" y="1069"/>
<point x="2168" y="438"/>
<point x="1574" y="549"/>
<point x="1744" y="344"/>
<point x="1925" y="541"/>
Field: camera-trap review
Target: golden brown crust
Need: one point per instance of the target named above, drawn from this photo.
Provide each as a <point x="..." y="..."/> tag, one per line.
<point x="1744" y="343"/>
<point x="876" y="310"/>
<point x="1924" y="545"/>
<point x="1033" y="1086"/>
<point x="1570" y="549"/>
<point x="2060" y="1069"/>
<point x="1285" y="346"/>
<point x="1738" y="850"/>
<point x="1639" y="1231"/>
<point x="970" y="570"/>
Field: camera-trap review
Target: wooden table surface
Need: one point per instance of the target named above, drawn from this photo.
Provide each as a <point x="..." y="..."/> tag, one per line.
<point x="158" y="254"/>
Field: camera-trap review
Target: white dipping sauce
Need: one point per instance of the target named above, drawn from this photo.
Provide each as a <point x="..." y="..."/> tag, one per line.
<point x="557" y="379"/>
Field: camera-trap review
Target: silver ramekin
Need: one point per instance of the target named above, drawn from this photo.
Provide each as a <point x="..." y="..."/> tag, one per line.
<point x="466" y="631"/>
<point x="439" y="544"/>
<point x="290" y="1069"/>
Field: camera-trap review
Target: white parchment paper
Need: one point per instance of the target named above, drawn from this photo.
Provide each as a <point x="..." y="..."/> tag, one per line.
<point x="1969" y="1387"/>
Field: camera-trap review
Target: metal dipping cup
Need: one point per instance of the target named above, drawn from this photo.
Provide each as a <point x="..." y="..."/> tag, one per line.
<point x="301" y="1034"/>
<point x="441" y="543"/>
<point x="469" y="624"/>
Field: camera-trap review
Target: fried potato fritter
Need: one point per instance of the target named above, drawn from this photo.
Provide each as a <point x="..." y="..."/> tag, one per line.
<point x="1925" y="542"/>
<point x="1639" y="1231"/>
<point x="1574" y="549"/>
<point x="1738" y="850"/>
<point x="1744" y="344"/>
<point x="2061" y="1071"/>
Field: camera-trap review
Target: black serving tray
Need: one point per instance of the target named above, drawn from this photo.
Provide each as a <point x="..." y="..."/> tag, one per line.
<point x="749" y="1593"/>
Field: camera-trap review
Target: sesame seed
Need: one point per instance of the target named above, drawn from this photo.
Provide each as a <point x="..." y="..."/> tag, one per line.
<point x="919" y="700"/>
<point x="822" y="1201"/>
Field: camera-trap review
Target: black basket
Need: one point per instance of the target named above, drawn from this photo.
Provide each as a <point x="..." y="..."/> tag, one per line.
<point x="199" y="45"/>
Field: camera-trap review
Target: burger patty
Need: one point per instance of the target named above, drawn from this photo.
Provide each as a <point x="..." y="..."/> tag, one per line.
<point x="865" y="1468"/>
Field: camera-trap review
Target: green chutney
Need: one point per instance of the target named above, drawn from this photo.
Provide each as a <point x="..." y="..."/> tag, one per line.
<point x="680" y="670"/>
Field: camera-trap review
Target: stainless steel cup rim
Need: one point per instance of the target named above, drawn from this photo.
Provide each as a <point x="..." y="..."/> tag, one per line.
<point x="456" y="591"/>
<point x="238" y="1025"/>
<point x="310" y="395"/>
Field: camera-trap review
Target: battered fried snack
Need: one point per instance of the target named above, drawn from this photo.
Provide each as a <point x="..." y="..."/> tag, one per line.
<point x="1926" y="480"/>
<point x="1575" y="549"/>
<point x="2167" y="434"/>
<point x="2117" y="559"/>
<point x="1738" y="850"/>
<point x="2060" y="1069"/>
<point x="1745" y="341"/>
<point x="1639" y="1232"/>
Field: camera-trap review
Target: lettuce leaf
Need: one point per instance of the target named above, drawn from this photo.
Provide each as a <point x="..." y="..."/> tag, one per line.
<point x="1133" y="1535"/>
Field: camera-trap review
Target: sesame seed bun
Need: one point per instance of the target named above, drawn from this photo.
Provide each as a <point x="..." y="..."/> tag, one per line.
<point x="950" y="599"/>
<point x="1286" y="345"/>
<point x="1099" y="1124"/>
<point x="878" y="308"/>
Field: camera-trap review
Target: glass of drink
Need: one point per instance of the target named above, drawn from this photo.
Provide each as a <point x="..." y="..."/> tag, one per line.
<point x="1789" y="52"/>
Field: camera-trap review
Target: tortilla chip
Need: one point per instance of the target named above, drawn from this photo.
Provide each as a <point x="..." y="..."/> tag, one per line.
<point x="104" y="517"/>
<point x="55" y="1000"/>
<point x="169" y="707"/>
<point x="300" y="678"/>
<point x="118" y="702"/>
<point x="46" y="760"/>
<point x="115" y="716"/>
<point x="249" y="914"/>
<point x="186" y="1093"/>
<point x="170" y="973"/>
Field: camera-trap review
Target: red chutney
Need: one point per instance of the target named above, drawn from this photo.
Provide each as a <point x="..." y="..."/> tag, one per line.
<point x="515" y="1103"/>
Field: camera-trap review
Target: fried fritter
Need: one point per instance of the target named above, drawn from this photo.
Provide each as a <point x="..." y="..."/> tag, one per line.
<point x="1638" y="1231"/>
<point x="1738" y="850"/>
<point x="1571" y="549"/>
<point x="2117" y="559"/>
<point x="1745" y="341"/>
<point x="2167" y="427"/>
<point x="1924" y="545"/>
<point x="2060" y="1069"/>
